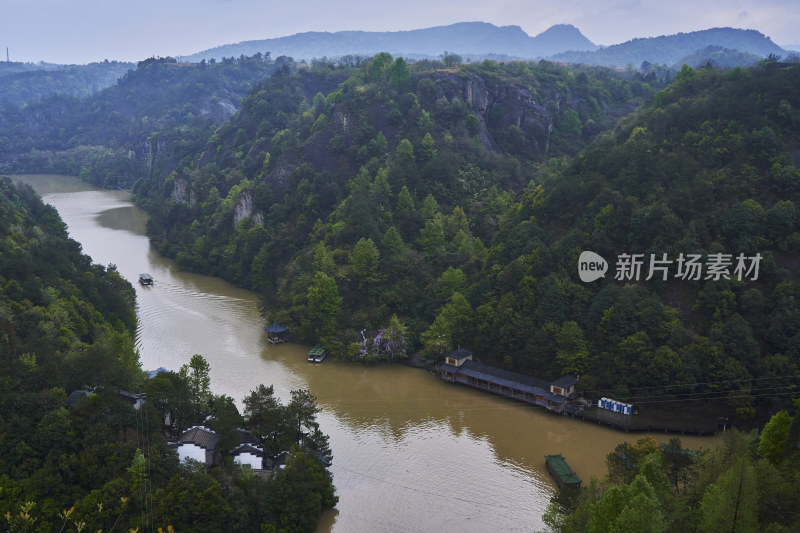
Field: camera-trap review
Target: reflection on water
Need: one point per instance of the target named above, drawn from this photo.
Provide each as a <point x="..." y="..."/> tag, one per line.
<point x="411" y="452"/>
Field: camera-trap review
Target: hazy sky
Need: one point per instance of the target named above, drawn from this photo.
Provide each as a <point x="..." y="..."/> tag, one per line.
<point x="81" y="31"/>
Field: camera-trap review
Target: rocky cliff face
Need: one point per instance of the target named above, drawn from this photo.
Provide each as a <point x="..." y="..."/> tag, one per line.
<point x="149" y="156"/>
<point x="499" y="107"/>
<point x="183" y="192"/>
<point x="244" y="209"/>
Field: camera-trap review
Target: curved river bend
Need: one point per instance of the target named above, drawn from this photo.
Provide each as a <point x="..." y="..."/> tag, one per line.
<point x="411" y="453"/>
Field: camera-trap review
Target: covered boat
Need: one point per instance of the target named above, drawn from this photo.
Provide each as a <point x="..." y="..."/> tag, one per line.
<point x="317" y="354"/>
<point x="560" y="471"/>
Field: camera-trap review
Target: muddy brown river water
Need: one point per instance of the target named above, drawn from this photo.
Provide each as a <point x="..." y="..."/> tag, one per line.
<point x="411" y="453"/>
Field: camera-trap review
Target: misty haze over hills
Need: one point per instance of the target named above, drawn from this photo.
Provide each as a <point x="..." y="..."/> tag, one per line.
<point x="667" y="49"/>
<point x="473" y="41"/>
<point x="469" y="39"/>
<point x="479" y="40"/>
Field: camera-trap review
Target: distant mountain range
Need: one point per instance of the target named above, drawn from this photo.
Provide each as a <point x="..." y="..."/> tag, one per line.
<point x="472" y="40"/>
<point x="480" y="40"/>
<point x="668" y="49"/>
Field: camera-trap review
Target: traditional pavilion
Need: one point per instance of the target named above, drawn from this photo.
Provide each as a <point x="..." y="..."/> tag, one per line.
<point x="276" y="333"/>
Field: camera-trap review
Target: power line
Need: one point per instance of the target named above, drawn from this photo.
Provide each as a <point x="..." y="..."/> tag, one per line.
<point x="793" y="376"/>
<point x="710" y="393"/>
<point x="728" y="397"/>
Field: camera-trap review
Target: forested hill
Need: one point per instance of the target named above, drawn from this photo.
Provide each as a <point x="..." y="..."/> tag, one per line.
<point x="435" y="199"/>
<point x="74" y="449"/>
<point x="306" y="149"/>
<point x="23" y="83"/>
<point x="144" y="124"/>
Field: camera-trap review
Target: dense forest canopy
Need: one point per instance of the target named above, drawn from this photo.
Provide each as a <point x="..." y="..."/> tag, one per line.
<point x="441" y="204"/>
<point x="66" y="326"/>
<point x="383" y="207"/>
<point x="750" y="483"/>
<point x="25" y="83"/>
<point x="450" y="201"/>
<point x="363" y="174"/>
<point x="156" y="115"/>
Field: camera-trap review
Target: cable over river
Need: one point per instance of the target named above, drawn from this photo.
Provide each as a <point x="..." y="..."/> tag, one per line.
<point x="411" y="452"/>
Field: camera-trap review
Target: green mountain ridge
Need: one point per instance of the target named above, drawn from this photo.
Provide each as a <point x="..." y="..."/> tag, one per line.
<point x="24" y="83"/>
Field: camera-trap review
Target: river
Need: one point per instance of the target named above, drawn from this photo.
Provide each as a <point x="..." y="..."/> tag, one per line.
<point x="411" y="453"/>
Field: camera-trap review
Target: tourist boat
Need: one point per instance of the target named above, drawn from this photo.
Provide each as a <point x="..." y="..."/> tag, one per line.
<point x="560" y="471"/>
<point x="317" y="354"/>
<point x="145" y="279"/>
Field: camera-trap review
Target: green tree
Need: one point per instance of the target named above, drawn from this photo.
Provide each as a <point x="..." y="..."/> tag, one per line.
<point x="392" y="242"/>
<point x="772" y="441"/>
<point x="299" y="493"/>
<point x="196" y="374"/>
<point x="364" y="263"/>
<point x="323" y="303"/>
<point x="264" y="416"/>
<point x="425" y="122"/>
<point x="226" y="421"/>
<point x="451" y="59"/>
<point x="573" y="350"/>
<point x="431" y="237"/>
<point x="678" y="462"/>
<point x="730" y="504"/>
<point x="380" y="65"/>
<point x="622" y="508"/>
<point x="323" y="260"/>
<point x="453" y="280"/>
<point x="449" y="327"/>
<point x="400" y="75"/>
<point x="427" y="149"/>
<point x="430" y="207"/>
<point x="405" y="202"/>
<point x="303" y="411"/>
<point x="405" y="152"/>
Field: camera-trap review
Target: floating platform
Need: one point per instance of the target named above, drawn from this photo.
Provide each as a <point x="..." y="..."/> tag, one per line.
<point x="560" y="471"/>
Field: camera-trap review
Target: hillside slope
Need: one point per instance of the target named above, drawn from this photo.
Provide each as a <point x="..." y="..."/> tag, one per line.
<point x="146" y="123"/>
<point x="24" y="83"/>
<point x="433" y="199"/>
